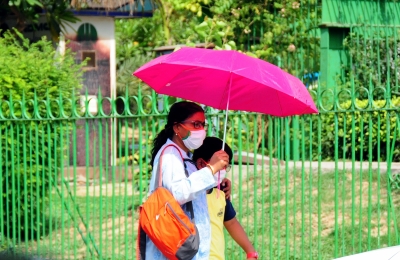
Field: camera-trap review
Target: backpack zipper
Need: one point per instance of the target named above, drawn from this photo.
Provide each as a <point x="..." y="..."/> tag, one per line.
<point x="178" y="218"/>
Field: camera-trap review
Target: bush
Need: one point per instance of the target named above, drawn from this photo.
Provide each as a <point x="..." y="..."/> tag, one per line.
<point x="31" y="74"/>
<point x="360" y="134"/>
<point x="365" y="136"/>
<point x="378" y="66"/>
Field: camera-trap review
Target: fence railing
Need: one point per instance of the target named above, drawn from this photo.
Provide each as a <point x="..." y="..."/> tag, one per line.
<point x="74" y="169"/>
<point x="310" y="187"/>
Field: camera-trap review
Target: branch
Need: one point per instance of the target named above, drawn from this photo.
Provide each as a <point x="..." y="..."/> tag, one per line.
<point x="21" y="24"/>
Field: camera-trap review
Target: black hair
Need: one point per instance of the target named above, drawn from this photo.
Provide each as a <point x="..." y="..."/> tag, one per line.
<point x="178" y="112"/>
<point x="209" y="147"/>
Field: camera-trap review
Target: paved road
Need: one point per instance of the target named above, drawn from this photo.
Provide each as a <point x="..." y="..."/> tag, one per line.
<point x="314" y="166"/>
<point x="388" y="253"/>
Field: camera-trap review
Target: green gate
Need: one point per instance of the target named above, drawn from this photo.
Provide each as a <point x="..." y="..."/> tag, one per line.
<point x="75" y="169"/>
<point x="337" y="199"/>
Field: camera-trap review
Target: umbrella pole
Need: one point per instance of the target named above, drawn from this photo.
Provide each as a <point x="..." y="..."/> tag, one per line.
<point x="226" y="111"/>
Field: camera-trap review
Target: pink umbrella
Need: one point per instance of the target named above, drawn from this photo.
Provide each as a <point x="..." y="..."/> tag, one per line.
<point x="227" y="80"/>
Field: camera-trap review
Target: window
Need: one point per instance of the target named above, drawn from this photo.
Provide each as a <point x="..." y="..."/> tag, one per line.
<point x="91" y="58"/>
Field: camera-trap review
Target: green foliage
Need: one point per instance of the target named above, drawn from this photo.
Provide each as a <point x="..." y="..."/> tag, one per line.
<point x="358" y="131"/>
<point x="23" y="2"/>
<point x="57" y="14"/>
<point x="376" y="66"/>
<point x="139" y="162"/>
<point x="282" y="32"/>
<point x="216" y="31"/>
<point x="359" y="134"/>
<point x="129" y="86"/>
<point x="31" y="75"/>
<point x="175" y="19"/>
<point x="24" y="9"/>
<point x="136" y="37"/>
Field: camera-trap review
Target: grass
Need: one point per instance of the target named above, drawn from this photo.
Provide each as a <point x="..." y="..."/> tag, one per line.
<point x="302" y="215"/>
<point x="102" y="223"/>
<point x="291" y="215"/>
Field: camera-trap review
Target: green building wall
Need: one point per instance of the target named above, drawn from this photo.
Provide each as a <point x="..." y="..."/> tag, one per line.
<point x="342" y="17"/>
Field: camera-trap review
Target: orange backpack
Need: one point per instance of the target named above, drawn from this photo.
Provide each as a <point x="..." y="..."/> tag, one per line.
<point x="162" y="219"/>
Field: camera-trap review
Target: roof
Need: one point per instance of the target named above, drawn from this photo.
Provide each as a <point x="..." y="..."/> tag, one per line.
<point x="108" y="4"/>
<point x="115" y="8"/>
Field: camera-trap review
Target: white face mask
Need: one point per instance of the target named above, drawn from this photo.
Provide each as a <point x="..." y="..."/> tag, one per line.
<point x="222" y="174"/>
<point x="195" y="139"/>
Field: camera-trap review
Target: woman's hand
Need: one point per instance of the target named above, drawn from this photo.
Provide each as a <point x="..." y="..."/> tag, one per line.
<point x="226" y="187"/>
<point x="219" y="160"/>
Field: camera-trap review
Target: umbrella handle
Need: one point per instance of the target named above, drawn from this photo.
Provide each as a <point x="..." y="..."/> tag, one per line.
<point x="226" y="111"/>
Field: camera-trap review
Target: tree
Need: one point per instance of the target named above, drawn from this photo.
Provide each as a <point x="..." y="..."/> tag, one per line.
<point x="35" y="83"/>
<point x="57" y="14"/>
<point x="170" y="11"/>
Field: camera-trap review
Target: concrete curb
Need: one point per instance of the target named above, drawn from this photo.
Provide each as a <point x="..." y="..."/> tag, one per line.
<point x="325" y="166"/>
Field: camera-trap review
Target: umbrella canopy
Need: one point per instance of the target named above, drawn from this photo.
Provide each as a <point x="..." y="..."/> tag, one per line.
<point x="227" y="79"/>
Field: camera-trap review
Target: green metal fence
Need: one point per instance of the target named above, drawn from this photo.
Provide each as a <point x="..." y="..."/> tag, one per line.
<point x="74" y="169"/>
<point x="72" y="177"/>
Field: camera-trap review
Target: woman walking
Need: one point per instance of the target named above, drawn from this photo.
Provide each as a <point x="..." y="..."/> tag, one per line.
<point x="185" y="130"/>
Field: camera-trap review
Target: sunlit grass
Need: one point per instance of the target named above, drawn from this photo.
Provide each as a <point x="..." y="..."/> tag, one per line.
<point x="290" y="215"/>
<point x="298" y="215"/>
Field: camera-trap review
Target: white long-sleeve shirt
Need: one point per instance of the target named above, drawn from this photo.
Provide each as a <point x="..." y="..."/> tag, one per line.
<point x="184" y="189"/>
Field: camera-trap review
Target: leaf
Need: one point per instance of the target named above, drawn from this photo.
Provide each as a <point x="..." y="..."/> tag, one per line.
<point x="251" y="54"/>
<point x="203" y="26"/>
<point x="34" y="2"/>
<point x="232" y="44"/>
<point x="221" y="24"/>
<point x="221" y="33"/>
<point x="227" y="47"/>
<point x="7" y="79"/>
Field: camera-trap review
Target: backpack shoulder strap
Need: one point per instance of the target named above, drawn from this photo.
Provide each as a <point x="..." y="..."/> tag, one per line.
<point x="159" y="168"/>
<point x="188" y="205"/>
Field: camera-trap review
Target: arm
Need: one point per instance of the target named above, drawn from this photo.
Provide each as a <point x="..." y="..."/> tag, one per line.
<point x="227" y="188"/>
<point x="239" y="235"/>
<point x="183" y="188"/>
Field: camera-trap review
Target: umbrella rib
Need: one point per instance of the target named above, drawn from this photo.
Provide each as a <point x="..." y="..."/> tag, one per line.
<point x="229" y="79"/>
<point x="203" y="54"/>
<point x="276" y="91"/>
